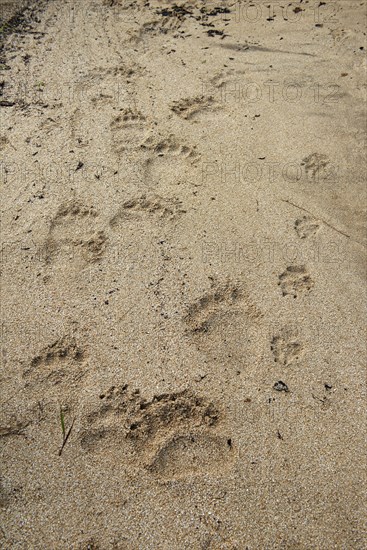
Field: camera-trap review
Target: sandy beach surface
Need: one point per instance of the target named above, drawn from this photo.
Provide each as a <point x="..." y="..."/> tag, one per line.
<point x="183" y="233"/>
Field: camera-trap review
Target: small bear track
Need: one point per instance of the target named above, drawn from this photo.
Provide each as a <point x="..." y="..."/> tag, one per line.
<point x="286" y="348"/>
<point x="170" y="160"/>
<point x="306" y="227"/>
<point x="125" y="70"/>
<point x="225" y="324"/>
<point x="61" y="363"/>
<point x="295" y="280"/>
<point x="157" y="27"/>
<point x="170" y="147"/>
<point x="74" y="230"/>
<point x="101" y="84"/>
<point x="205" y="311"/>
<point x="127" y="130"/>
<point x="162" y="25"/>
<point x="317" y="166"/>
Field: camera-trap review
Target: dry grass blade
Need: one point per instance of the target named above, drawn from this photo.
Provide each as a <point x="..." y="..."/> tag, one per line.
<point x="66" y="437"/>
<point x="62" y="422"/>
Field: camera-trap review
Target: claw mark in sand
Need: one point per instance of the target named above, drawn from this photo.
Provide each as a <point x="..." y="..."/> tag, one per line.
<point x="188" y="108"/>
<point x="152" y="205"/>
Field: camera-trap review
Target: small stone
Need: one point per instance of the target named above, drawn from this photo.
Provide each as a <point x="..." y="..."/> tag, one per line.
<point x="280" y="386"/>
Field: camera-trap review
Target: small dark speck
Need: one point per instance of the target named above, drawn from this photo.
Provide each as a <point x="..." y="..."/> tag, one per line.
<point x="328" y="386"/>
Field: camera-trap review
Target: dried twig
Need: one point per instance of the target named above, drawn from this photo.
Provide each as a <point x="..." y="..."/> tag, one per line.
<point x="308" y="212"/>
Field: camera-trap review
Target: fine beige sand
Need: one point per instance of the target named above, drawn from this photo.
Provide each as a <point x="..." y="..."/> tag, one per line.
<point x="183" y="233"/>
